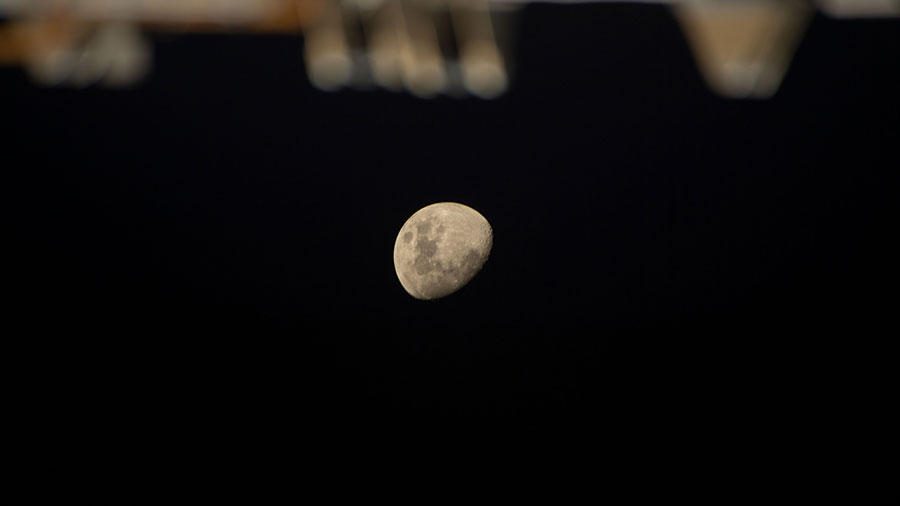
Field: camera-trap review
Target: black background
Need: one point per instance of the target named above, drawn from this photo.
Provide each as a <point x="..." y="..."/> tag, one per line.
<point x="216" y="243"/>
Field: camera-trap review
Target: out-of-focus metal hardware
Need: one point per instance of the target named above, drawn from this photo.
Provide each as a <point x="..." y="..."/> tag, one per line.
<point x="743" y="48"/>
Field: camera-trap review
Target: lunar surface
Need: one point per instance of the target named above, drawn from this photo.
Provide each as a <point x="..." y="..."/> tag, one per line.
<point x="441" y="248"/>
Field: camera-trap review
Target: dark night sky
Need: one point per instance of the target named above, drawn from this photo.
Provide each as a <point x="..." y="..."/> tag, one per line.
<point x="228" y="230"/>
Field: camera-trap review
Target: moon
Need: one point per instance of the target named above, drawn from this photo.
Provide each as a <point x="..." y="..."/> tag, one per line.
<point x="440" y="249"/>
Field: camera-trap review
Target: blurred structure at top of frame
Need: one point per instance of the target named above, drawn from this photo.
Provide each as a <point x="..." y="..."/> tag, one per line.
<point x="426" y="47"/>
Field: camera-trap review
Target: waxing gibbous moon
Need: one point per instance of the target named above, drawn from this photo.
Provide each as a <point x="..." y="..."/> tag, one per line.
<point x="441" y="248"/>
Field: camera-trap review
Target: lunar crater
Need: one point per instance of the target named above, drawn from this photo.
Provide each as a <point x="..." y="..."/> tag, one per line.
<point x="426" y="247"/>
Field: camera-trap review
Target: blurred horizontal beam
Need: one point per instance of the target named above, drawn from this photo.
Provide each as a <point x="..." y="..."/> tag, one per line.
<point x="742" y="47"/>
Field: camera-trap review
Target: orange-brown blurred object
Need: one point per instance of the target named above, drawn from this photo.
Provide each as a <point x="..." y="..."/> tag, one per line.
<point x="742" y="47"/>
<point x="88" y="41"/>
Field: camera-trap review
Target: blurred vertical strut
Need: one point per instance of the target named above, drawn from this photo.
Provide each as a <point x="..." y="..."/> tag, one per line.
<point x="422" y="63"/>
<point x="385" y="42"/>
<point x="328" y="60"/>
<point x="484" y="72"/>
